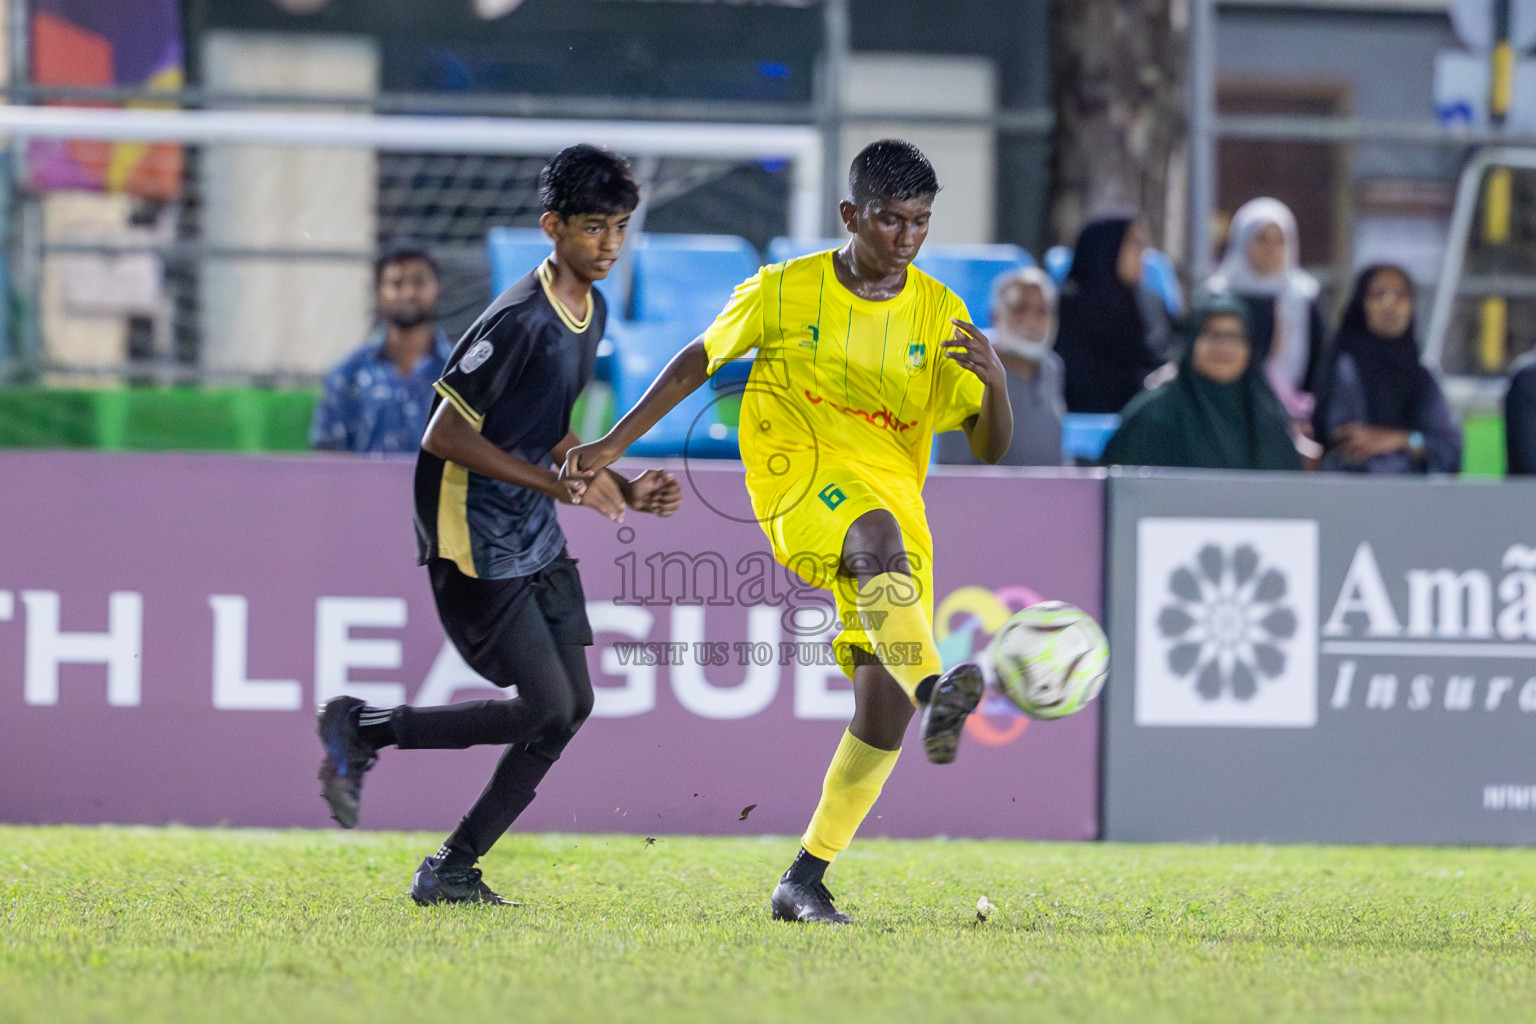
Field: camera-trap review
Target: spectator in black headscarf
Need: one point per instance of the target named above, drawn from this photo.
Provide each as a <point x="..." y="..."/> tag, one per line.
<point x="1520" y="417"/>
<point x="1262" y="269"/>
<point x="1218" y="413"/>
<point x="1379" y="410"/>
<point x="1111" y="336"/>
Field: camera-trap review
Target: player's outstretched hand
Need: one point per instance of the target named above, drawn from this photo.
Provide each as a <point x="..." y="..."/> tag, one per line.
<point x="971" y="349"/>
<point x="604" y="495"/>
<point x="585" y="461"/>
<point x="655" y="491"/>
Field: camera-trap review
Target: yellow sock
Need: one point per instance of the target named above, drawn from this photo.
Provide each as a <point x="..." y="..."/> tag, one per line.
<point x="891" y="612"/>
<point x="854" y="779"/>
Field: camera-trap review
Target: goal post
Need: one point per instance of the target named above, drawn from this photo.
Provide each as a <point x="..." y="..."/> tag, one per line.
<point x="799" y="144"/>
<point x="260" y="267"/>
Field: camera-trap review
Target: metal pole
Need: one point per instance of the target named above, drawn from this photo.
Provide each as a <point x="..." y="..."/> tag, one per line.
<point x="1452" y="263"/>
<point x="10" y="165"/>
<point x="401" y="133"/>
<point x="1202" y="136"/>
<point x="834" y="65"/>
<point x="1493" y="327"/>
<point x="805" y="197"/>
<point x="647" y="169"/>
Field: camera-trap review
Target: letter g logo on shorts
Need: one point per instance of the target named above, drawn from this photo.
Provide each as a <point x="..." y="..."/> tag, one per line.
<point x="831" y="496"/>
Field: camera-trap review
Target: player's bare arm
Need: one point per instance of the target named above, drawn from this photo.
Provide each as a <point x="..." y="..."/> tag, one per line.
<point x="990" y="431"/>
<point x="654" y="491"/>
<point x="451" y="437"/>
<point x="681" y="377"/>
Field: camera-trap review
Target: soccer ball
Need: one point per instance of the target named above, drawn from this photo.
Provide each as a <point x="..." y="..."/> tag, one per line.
<point x="1049" y="659"/>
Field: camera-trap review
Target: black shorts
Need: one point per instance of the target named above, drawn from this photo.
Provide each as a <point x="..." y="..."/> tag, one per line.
<point x="492" y="621"/>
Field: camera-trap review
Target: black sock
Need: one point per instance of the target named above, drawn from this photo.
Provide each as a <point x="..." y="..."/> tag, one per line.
<point x="807" y="868"/>
<point x="925" y="689"/>
<point x="452" y="857"/>
<point x="376" y="727"/>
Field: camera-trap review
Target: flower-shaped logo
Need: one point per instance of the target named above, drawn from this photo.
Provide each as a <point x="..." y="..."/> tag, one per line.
<point x="1227" y="621"/>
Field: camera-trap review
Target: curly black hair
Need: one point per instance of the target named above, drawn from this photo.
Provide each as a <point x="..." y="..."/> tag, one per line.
<point x="586" y="179"/>
<point x="891" y="169"/>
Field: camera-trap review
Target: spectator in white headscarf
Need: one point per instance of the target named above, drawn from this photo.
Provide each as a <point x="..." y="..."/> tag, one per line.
<point x="1261" y="269"/>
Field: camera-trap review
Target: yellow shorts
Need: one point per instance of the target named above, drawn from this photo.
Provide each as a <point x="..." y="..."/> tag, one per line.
<point x="807" y="519"/>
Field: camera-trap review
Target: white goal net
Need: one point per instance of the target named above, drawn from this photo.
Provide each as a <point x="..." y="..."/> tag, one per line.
<point x="250" y="258"/>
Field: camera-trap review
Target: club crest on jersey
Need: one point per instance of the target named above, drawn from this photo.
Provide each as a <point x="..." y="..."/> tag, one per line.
<point x="917" y="356"/>
<point x="813" y="339"/>
<point x="478" y="353"/>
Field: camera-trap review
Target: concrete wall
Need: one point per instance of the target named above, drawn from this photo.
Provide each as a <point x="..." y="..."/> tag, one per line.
<point x="964" y="156"/>
<point x="296" y="316"/>
<point x="1386" y="59"/>
<point x="72" y="335"/>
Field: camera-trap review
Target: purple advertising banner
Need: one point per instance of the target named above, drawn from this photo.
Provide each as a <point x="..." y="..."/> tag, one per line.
<point x="168" y="624"/>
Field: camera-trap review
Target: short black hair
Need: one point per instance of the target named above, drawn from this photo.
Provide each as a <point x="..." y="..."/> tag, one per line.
<point x="586" y="179"/>
<point x="890" y="169"/>
<point x="397" y="254"/>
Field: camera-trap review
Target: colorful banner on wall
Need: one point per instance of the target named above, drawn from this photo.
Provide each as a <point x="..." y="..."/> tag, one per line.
<point x="168" y="624"/>
<point x="134" y="44"/>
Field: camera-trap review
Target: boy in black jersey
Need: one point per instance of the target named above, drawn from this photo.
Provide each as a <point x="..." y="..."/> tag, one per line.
<point x="507" y="592"/>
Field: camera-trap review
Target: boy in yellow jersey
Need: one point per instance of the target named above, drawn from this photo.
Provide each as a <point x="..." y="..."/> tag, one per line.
<point x="861" y="358"/>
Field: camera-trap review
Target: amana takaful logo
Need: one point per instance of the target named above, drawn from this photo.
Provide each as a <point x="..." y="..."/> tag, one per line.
<point x="1227" y="618"/>
<point x="1226" y="622"/>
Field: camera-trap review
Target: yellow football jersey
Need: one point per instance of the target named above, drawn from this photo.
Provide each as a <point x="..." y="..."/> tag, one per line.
<point x="838" y="379"/>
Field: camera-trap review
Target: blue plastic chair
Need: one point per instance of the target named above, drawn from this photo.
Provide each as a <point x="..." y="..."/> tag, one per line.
<point x="1084" y="434"/>
<point x="686" y="279"/>
<point x="782" y="249"/>
<point x="1157" y="273"/>
<point x="1058" y="262"/>
<point x="514" y="252"/>
<point x="969" y="271"/>
<point x="681" y="283"/>
<point x="700" y="425"/>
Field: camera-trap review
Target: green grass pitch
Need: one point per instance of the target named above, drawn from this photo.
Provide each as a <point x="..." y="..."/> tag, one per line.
<point x="183" y="925"/>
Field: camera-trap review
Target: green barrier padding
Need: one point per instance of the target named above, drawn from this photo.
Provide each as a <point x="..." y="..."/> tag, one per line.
<point x="157" y="419"/>
<point x="592" y="416"/>
<point x="258" y="420"/>
<point x="285" y="424"/>
<point x="178" y="420"/>
<point x="48" y="418"/>
<point x="1484" y="454"/>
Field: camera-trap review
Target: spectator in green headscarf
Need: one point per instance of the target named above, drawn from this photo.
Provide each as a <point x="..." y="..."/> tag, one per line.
<point x="1218" y="413"/>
